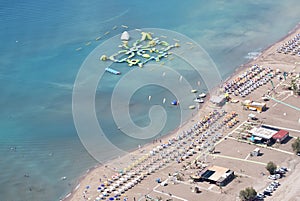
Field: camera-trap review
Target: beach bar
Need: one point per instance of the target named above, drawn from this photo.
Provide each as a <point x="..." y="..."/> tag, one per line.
<point x="218" y="175"/>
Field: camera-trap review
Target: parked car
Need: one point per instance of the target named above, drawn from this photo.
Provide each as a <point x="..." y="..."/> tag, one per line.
<point x="269" y="189"/>
<point x="284" y="169"/>
<point x="274" y="186"/>
<point x="275" y="183"/>
<point x="279" y="171"/>
<point x="277" y="176"/>
<point x="266" y="192"/>
<point x="273" y="177"/>
<point x="260" y="195"/>
<point x="258" y="198"/>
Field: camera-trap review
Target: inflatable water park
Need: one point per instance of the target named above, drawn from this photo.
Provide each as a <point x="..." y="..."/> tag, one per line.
<point x="141" y="51"/>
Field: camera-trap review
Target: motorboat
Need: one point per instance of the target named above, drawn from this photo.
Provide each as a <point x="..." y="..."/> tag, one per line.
<point x="202" y="95"/>
<point x="198" y="100"/>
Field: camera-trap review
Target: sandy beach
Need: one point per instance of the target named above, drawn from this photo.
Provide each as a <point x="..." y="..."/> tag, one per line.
<point x="231" y="152"/>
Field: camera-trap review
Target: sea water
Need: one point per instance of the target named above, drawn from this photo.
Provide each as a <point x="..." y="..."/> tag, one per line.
<point x="38" y="66"/>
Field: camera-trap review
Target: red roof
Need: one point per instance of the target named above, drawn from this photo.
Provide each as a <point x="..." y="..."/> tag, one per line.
<point x="280" y="134"/>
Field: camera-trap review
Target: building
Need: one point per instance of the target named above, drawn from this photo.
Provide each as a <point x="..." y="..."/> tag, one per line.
<point x="263" y="132"/>
<point x="280" y="136"/>
<point x="217" y="175"/>
<point x="218" y="100"/>
<point x="269" y="134"/>
<point x="257" y="106"/>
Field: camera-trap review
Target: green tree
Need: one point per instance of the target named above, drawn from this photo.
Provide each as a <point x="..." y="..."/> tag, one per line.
<point x="294" y="85"/>
<point x="271" y="167"/>
<point x="248" y="194"/>
<point x="296" y="145"/>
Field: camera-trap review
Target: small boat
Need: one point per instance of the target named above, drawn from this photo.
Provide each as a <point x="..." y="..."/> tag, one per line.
<point x="198" y="100"/>
<point x="78" y="49"/>
<point x="192" y="107"/>
<point x="98" y="38"/>
<point x="124" y="26"/>
<point x="194" y="91"/>
<point x="88" y="43"/>
<point x="106" y="33"/>
<point x="115" y="27"/>
<point x="174" y="102"/>
<point x="202" y="95"/>
<point x="110" y="70"/>
<point x="234" y="100"/>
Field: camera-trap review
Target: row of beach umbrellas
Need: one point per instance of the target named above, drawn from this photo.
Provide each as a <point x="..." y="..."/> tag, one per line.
<point x="200" y="136"/>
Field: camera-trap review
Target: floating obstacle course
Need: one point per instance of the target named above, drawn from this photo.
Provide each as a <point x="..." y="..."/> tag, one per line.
<point x="140" y="51"/>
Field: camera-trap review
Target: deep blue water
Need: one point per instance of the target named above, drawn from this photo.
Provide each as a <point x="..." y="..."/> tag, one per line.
<point x="39" y="64"/>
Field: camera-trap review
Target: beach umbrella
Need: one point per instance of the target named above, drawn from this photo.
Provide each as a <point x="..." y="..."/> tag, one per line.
<point x="111" y="198"/>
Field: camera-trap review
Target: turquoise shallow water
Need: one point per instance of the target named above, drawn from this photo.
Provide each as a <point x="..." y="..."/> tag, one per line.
<point x="38" y="66"/>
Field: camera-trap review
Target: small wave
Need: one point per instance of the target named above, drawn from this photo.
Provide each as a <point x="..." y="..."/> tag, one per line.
<point x="115" y="17"/>
<point x="61" y="85"/>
